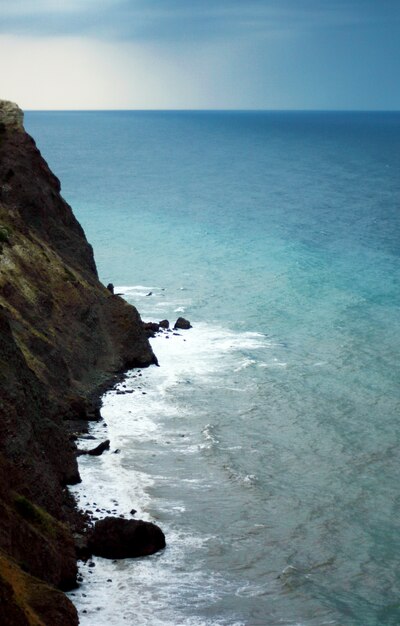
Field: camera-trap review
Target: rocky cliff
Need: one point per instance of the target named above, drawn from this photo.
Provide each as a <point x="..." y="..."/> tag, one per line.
<point x="63" y="335"/>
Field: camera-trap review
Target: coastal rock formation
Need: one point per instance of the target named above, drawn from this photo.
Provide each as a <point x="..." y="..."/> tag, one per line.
<point x="11" y="116"/>
<point x="26" y="601"/>
<point x="182" y="324"/>
<point x="97" y="451"/>
<point x="63" y="337"/>
<point x="116" y="538"/>
<point x="151" y="328"/>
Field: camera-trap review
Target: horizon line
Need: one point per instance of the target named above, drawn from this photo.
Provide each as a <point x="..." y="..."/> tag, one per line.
<point x="206" y="110"/>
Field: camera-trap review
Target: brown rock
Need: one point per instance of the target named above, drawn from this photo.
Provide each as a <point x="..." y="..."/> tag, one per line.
<point x="62" y="338"/>
<point x="11" y="116"/>
<point x="151" y="328"/>
<point x="25" y="600"/>
<point x="182" y="324"/>
<point x="116" y="538"/>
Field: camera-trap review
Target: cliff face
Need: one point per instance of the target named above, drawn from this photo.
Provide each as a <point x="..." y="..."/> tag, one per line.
<point x="62" y="336"/>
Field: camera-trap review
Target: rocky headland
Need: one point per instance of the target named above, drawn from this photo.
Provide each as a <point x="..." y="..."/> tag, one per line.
<point x="63" y="338"/>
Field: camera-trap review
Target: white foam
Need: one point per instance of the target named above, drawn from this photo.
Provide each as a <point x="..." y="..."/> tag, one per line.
<point x="245" y="364"/>
<point x="134" y="291"/>
<point x="235" y="476"/>
<point x="153" y="301"/>
<point x="152" y="591"/>
<point x="145" y="591"/>
<point x="203" y="347"/>
<point x="250" y="590"/>
<point x="275" y="363"/>
<point x="210" y="438"/>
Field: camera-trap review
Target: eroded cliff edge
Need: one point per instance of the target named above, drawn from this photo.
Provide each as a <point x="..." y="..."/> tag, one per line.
<point x="62" y="336"/>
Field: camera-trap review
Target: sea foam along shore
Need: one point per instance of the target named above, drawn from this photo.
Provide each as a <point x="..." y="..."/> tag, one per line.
<point x="156" y="466"/>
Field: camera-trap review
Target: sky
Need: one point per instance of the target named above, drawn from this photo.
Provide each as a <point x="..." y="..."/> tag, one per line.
<point x="200" y="54"/>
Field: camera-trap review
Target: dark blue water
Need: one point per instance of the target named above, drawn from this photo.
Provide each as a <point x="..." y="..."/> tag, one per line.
<point x="267" y="444"/>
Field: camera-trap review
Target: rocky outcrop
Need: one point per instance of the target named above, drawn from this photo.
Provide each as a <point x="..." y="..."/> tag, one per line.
<point x="116" y="538"/>
<point x="70" y="328"/>
<point x="63" y="335"/>
<point x="182" y="324"/>
<point x="27" y="601"/>
<point x="97" y="451"/>
<point x="151" y="328"/>
<point x="11" y="116"/>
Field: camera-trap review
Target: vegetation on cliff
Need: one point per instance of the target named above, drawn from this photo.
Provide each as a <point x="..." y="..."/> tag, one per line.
<point x="62" y="336"/>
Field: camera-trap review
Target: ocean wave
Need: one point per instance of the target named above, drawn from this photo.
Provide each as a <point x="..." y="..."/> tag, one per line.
<point x="245" y="364"/>
<point x="209" y="436"/>
<point x="238" y="477"/>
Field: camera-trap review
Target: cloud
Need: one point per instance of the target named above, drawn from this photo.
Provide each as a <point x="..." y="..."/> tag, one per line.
<point x="76" y="73"/>
<point x="28" y="8"/>
<point x="184" y="20"/>
<point x="200" y="53"/>
<point x="53" y="72"/>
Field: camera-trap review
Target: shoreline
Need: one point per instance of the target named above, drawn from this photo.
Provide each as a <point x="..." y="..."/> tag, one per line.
<point x="92" y="434"/>
<point x="65" y="340"/>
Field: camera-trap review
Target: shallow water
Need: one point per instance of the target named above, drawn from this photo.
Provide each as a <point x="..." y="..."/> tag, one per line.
<point x="266" y="444"/>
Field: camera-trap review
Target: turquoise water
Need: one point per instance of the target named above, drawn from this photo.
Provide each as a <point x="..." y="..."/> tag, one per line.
<point x="266" y="445"/>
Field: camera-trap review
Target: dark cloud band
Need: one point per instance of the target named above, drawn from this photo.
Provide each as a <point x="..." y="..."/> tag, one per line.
<point x="179" y="19"/>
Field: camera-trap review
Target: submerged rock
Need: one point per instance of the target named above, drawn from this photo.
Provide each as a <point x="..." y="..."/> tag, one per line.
<point x="117" y="538"/>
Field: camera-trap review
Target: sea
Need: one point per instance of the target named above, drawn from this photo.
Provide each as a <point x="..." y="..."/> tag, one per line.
<point x="267" y="443"/>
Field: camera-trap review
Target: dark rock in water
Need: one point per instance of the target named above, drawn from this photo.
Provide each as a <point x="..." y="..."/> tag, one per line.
<point x="149" y="294"/>
<point x="110" y="287"/>
<point x="133" y="511"/>
<point x="164" y="324"/>
<point x="182" y="324"/>
<point x="105" y="445"/>
<point x="151" y="328"/>
<point x="116" y="538"/>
